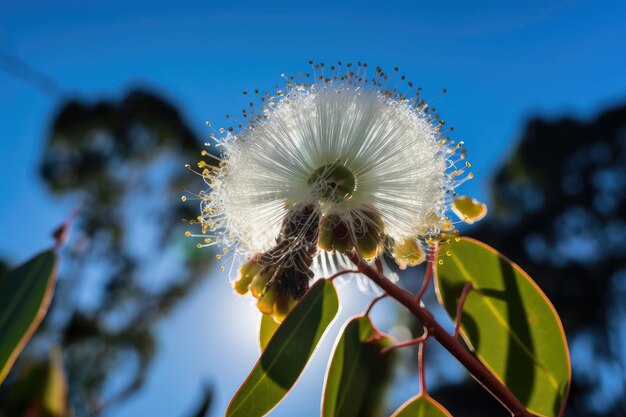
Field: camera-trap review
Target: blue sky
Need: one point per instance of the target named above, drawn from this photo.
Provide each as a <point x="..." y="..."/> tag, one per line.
<point x="501" y="64"/>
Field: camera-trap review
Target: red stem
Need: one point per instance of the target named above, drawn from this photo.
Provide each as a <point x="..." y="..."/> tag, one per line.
<point x="459" y="308"/>
<point x="345" y="271"/>
<point x="427" y="276"/>
<point x="372" y="303"/>
<point x="411" y="342"/>
<point x="473" y="365"/>
<point x="420" y="366"/>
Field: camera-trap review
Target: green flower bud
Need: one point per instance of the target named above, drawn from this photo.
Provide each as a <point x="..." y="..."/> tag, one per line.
<point x="259" y="281"/>
<point x="246" y="273"/>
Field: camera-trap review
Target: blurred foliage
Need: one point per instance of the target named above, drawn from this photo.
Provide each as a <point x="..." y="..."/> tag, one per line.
<point x="122" y="160"/>
<point x="559" y="210"/>
<point x="40" y="389"/>
<point x="4" y="267"/>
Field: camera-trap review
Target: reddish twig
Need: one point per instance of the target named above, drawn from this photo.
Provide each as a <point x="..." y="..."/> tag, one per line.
<point x="488" y="380"/>
<point x="427" y="277"/>
<point x="373" y="302"/>
<point x="411" y="342"/>
<point x="420" y="366"/>
<point x="345" y="271"/>
<point x="459" y="308"/>
<point x="379" y="266"/>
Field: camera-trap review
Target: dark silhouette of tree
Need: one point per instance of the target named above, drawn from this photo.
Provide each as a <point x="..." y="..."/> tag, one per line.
<point x="128" y="263"/>
<point x="559" y="211"/>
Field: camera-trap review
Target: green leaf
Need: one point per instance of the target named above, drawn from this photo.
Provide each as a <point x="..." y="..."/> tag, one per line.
<point x="267" y="328"/>
<point x="40" y="389"/>
<point x="358" y="373"/>
<point x="287" y="353"/>
<point x="25" y="295"/>
<point x="508" y="322"/>
<point x="55" y="393"/>
<point x="421" y="406"/>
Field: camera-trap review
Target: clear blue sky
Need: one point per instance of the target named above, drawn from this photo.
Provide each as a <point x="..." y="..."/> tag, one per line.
<point x="500" y="64"/>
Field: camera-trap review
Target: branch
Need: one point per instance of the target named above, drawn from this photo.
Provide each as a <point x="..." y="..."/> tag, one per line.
<point x="473" y="365"/>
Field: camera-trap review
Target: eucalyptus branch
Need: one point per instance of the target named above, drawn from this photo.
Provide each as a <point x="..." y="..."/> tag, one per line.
<point x="478" y="371"/>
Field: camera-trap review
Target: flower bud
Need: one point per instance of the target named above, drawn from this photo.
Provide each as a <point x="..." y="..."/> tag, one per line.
<point x="246" y="273"/>
<point x="259" y="281"/>
<point x="368" y="245"/>
<point x="335" y="235"/>
<point x="369" y="233"/>
<point x="266" y="300"/>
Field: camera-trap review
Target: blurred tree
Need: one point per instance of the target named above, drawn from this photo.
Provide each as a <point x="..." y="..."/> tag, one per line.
<point x="559" y="210"/>
<point x="127" y="264"/>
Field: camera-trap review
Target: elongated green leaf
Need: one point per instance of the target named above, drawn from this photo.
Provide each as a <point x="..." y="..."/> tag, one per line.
<point x="508" y="322"/>
<point x="287" y="353"/>
<point x="25" y="295"/>
<point x="267" y="328"/>
<point x="55" y="392"/>
<point x="358" y="372"/>
<point x="421" y="406"/>
<point x="40" y="389"/>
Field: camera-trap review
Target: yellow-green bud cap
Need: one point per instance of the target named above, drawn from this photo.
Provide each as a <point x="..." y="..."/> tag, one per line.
<point x="469" y="209"/>
<point x="259" y="281"/>
<point x="367" y="245"/>
<point x="246" y="273"/>
<point x="408" y="253"/>
<point x="266" y="300"/>
<point x="327" y="230"/>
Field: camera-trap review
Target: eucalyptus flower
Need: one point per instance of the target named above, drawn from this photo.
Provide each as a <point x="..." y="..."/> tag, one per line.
<point x="334" y="161"/>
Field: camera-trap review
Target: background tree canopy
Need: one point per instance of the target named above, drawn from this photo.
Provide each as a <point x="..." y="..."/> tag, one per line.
<point x="127" y="263"/>
<point x="558" y="209"/>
